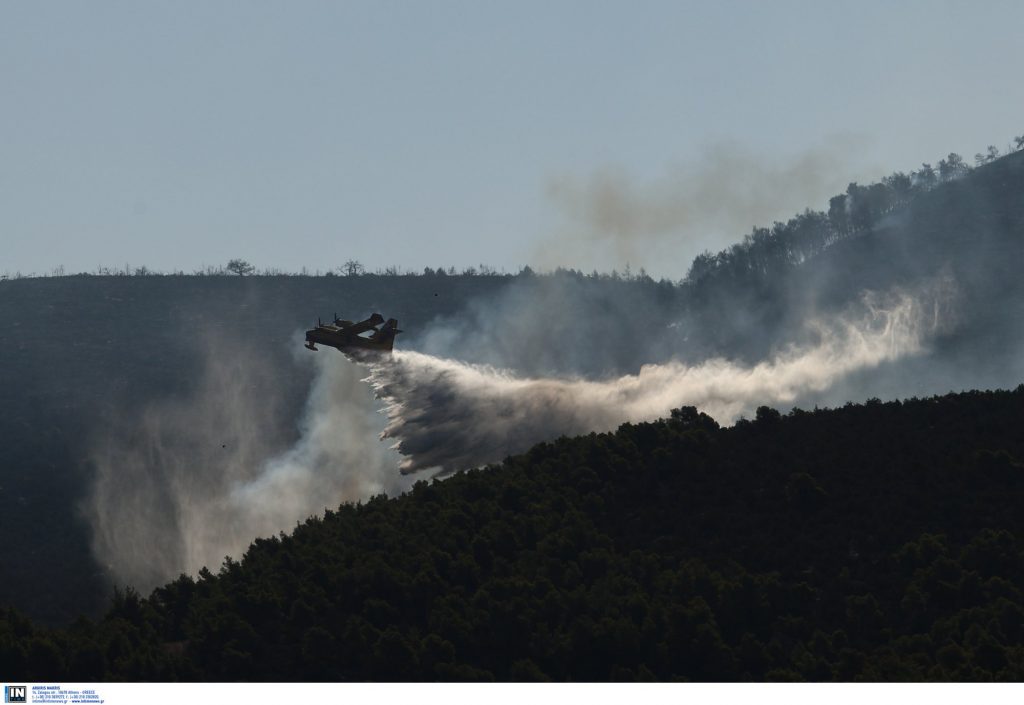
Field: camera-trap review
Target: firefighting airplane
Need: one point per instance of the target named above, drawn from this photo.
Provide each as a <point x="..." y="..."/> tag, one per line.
<point x="347" y="336"/>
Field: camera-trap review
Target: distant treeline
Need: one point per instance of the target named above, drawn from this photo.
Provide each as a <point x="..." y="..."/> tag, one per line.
<point x="240" y="267"/>
<point x="351" y="268"/>
<point x="763" y="250"/>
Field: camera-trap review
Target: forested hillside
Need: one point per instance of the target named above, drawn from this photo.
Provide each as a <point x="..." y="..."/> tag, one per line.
<point x="967" y="222"/>
<point x="876" y="542"/>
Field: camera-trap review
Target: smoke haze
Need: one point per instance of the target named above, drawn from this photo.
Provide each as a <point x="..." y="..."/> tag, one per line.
<point x="612" y="220"/>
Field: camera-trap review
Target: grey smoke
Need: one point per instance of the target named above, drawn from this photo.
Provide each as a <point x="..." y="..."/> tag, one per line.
<point x="611" y="219"/>
<point x="557" y="326"/>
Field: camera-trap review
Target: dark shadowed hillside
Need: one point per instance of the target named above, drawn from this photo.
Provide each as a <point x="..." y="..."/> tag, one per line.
<point x="875" y="542"/>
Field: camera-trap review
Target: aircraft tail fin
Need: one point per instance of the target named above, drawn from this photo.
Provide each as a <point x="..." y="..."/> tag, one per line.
<point x="387" y="333"/>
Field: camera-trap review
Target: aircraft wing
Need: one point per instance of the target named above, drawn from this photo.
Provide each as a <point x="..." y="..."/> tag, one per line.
<point x="362" y="326"/>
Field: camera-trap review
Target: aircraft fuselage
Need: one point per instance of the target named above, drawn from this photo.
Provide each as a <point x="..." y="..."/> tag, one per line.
<point x="345" y="336"/>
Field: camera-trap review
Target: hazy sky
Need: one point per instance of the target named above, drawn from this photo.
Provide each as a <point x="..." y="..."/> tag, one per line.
<point x="176" y="134"/>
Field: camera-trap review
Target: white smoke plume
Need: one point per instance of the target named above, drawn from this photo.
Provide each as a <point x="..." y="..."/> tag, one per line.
<point x="191" y="481"/>
<point x="450" y="415"/>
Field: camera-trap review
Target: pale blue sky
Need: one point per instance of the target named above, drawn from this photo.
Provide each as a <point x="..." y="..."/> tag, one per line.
<point x="176" y="134"/>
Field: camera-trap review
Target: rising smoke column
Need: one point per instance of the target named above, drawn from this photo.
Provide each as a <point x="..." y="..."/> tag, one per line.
<point x="451" y="415"/>
<point x="611" y="218"/>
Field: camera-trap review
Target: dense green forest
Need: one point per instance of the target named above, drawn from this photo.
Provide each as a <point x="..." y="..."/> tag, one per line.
<point x="881" y="541"/>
